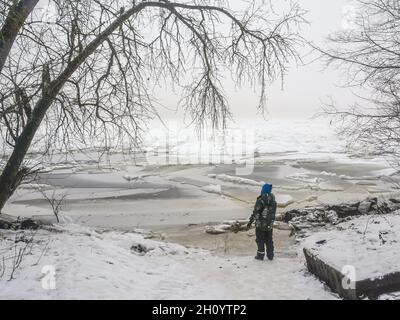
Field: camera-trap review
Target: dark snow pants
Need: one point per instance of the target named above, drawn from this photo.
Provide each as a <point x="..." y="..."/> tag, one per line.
<point x="264" y="240"/>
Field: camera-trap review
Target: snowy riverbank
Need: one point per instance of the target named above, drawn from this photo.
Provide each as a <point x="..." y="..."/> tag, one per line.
<point x="90" y="264"/>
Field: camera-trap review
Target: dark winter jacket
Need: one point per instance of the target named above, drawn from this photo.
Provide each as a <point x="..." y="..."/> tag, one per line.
<point x="266" y="201"/>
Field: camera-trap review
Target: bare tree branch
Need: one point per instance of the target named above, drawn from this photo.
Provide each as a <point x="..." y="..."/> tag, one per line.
<point x="369" y="54"/>
<point x="18" y="12"/>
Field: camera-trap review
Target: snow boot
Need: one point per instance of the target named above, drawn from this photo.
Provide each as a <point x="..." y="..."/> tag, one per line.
<point x="260" y="256"/>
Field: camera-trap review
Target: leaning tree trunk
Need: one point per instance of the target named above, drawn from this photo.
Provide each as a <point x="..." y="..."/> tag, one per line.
<point x="10" y="174"/>
<point x="15" y="20"/>
<point x="12" y="25"/>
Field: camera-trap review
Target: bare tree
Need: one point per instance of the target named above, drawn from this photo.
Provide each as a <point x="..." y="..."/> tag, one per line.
<point x="56" y="201"/>
<point x="12" y="257"/>
<point x="369" y="54"/>
<point x="20" y="252"/>
<point x="13" y="14"/>
<point x="87" y="72"/>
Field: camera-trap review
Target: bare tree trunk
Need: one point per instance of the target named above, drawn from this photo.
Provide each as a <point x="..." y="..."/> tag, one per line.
<point x="19" y="12"/>
<point x="9" y="176"/>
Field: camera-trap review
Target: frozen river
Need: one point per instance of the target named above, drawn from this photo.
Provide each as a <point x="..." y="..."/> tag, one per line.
<point x="305" y="161"/>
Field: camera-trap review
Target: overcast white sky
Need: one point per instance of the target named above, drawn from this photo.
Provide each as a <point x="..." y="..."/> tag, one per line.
<point x="305" y="86"/>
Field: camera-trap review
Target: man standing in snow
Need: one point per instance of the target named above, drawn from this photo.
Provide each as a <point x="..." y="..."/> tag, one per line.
<point x="264" y="216"/>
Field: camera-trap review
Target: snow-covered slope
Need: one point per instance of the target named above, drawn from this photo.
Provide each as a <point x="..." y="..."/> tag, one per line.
<point x="91" y="264"/>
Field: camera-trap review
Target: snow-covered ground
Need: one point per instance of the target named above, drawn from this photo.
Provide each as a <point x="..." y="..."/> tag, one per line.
<point x="370" y="244"/>
<point x="73" y="262"/>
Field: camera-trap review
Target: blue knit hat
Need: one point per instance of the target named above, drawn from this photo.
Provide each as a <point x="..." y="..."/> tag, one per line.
<point x="266" y="189"/>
